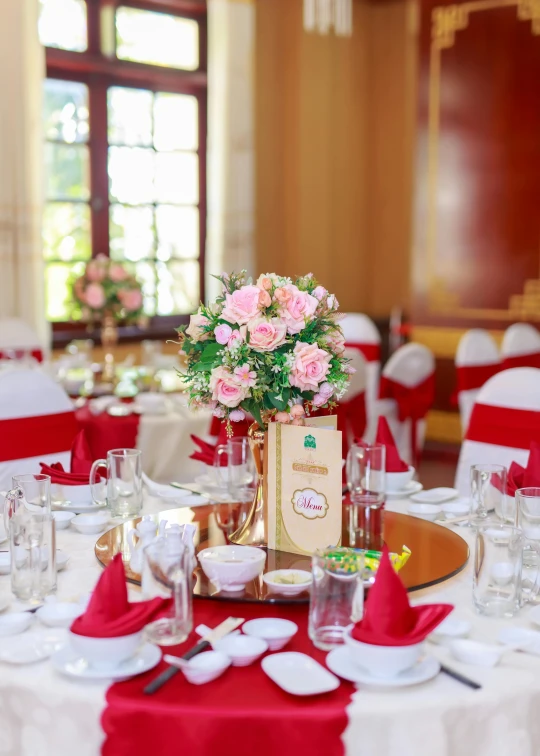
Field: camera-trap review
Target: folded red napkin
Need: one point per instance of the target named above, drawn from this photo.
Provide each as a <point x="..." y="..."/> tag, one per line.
<point x="206" y="452"/>
<point x="81" y="462"/>
<point x="524" y="477"/>
<point x="109" y="613"/>
<point x="389" y="619"/>
<point x="394" y="463"/>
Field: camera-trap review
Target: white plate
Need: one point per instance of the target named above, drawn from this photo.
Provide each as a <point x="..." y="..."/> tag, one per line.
<point x="31" y="647"/>
<point x="299" y="674"/>
<point x="435" y="496"/>
<point x="162" y="491"/>
<point x="340" y="662"/>
<point x="412" y="487"/>
<point x="521" y="638"/>
<point x="82" y="507"/>
<point x="68" y="662"/>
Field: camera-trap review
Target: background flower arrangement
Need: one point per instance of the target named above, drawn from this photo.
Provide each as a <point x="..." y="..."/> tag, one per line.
<point x="273" y="348"/>
<point x="106" y="288"/>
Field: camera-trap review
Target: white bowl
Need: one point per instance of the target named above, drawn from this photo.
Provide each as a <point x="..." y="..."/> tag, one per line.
<point x="205" y="667"/>
<point x="397" y="481"/>
<point x="450" y="629"/>
<point x="90" y="524"/>
<point x="288" y="589"/>
<point x="59" y="613"/>
<point x="425" y="511"/>
<point x="12" y="624"/>
<point x="241" y="649"/>
<point x="276" y="632"/>
<point x="456" y="508"/>
<point x="62" y="519"/>
<point x="382" y="661"/>
<point x="473" y="652"/>
<point x="5" y="563"/>
<point x="231" y="567"/>
<point x="105" y="653"/>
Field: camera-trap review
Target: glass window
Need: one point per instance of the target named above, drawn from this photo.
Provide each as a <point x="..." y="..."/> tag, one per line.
<point x="157" y="38"/>
<point x="63" y="24"/>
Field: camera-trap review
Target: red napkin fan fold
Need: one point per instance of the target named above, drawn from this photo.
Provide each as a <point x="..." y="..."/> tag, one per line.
<point x="525" y="477"/>
<point x="389" y="619"/>
<point x="394" y="463"/>
<point x="81" y="463"/>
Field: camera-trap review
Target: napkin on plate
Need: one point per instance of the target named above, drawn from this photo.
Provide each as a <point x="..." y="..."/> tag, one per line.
<point x="524" y="477"/>
<point x="109" y="614"/>
<point x="394" y="463"/>
<point x="389" y="619"/>
<point x="81" y="462"/>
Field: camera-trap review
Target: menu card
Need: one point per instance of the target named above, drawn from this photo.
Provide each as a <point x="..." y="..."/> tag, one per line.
<point x="304" y="486"/>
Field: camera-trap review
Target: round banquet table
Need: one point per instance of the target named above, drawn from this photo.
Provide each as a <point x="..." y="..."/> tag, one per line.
<point x="45" y="714"/>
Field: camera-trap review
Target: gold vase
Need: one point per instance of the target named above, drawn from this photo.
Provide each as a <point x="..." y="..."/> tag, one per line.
<point x="253" y="532"/>
<point x="109" y="339"/>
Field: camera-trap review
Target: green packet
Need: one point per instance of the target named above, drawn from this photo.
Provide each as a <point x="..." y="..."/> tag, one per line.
<point x="373" y="558"/>
<point x="344" y="560"/>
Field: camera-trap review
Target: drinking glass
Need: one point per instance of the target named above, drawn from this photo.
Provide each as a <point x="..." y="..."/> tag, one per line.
<point x="337" y="595"/>
<point x="501" y="582"/>
<point x="366" y="479"/>
<point x="168" y="573"/>
<point x="488" y="491"/>
<point x="124" y="482"/>
<point x="238" y="476"/>
<point x="32" y="537"/>
<point x="528" y="513"/>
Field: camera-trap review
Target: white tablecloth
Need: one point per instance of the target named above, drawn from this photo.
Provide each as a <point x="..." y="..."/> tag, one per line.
<point x="45" y="714"/>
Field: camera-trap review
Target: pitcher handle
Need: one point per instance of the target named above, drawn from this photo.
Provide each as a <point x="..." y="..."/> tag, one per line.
<point x="9" y="506"/>
<point x="530" y="594"/>
<point x="93" y="483"/>
<point x="220" y="450"/>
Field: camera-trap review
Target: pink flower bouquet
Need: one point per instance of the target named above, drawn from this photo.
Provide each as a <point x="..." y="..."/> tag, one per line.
<point x="107" y="288"/>
<point x="269" y="348"/>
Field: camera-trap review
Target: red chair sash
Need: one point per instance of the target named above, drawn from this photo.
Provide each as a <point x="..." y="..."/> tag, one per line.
<point x="522" y="360"/>
<point x="351" y="419"/>
<point x="414" y="402"/>
<point x="474" y="376"/>
<point x="503" y="426"/>
<point x="20" y="353"/>
<point x="24" y="437"/>
<point x="372" y="352"/>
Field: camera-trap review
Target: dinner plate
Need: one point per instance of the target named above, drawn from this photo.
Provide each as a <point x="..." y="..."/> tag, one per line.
<point x="435" y="496"/>
<point x="31" y="647"/>
<point x="299" y="674"/>
<point x="81" y="507"/>
<point x="69" y="663"/>
<point x="339" y="661"/>
<point x="163" y="491"/>
<point x="412" y="487"/>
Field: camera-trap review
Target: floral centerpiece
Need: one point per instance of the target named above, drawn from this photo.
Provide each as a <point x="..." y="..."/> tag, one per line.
<point x="107" y="289"/>
<point x="270" y="348"/>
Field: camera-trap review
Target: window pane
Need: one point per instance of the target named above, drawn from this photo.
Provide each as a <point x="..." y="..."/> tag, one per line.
<point x="130" y="116"/>
<point x="177" y="178"/>
<point x="62" y="23"/>
<point x="177" y="288"/>
<point x="66" y="231"/>
<point x="157" y="38"/>
<point x="58" y="279"/>
<point x="178" y="232"/>
<point x="131" y="175"/>
<point x="67" y="171"/>
<point x="146" y="274"/>
<point x="132" y="232"/>
<point x="175" y="122"/>
<point x="65" y="111"/>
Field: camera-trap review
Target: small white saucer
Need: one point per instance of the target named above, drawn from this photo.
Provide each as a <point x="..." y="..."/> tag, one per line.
<point x="68" y="662"/>
<point x="435" y="496"/>
<point x="412" y="487"/>
<point x="521" y="638"/>
<point x="31" y="647"/>
<point x="81" y="507"/>
<point x="340" y="662"/>
<point x="299" y="674"/>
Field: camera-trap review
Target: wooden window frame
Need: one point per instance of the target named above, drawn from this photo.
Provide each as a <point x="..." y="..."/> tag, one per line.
<point x="100" y="72"/>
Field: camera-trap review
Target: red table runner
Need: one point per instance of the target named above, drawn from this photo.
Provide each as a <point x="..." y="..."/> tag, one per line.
<point x="105" y="432"/>
<point x="242" y="713"/>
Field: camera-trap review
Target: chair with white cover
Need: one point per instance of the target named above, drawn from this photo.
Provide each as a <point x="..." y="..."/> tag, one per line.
<point x="37" y="423"/>
<point x="362" y="334"/>
<point x="19" y="340"/>
<point x="477" y="360"/>
<point x="504" y="421"/>
<point x="351" y="409"/>
<point x="520" y="346"/>
<point x="407" y="393"/>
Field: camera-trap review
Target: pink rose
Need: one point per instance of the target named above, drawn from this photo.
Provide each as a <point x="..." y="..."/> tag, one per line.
<point x="237" y="415"/>
<point x="237" y="337"/>
<point x="131" y="299"/>
<point x="298" y="421"/>
<point x="241" y="305"/>
<point x="298" y="309"/>
<point x="319" y="400"/>
<point x="226" y="388"/>
<point x="326" y="389"/>
<point x="297" y="410"/>
<point x="196" y="323"/>
<point x="282" y="295"/>
<point x="223" y="333"/>
<point x="117" y="273"/>
<point x="349" y="369"/>
<point x="335" y="341"/>
<point x="319" y="292"/>
<point x="265" y="300"/>
<point x="266" y="335"/>
<point x="332" y="302"/>
<point x="264" y="282"/>
<point x="95" y="271"/>
<point x="94" y="296"/>
<point x="310" y="368"/>
<point x="282" y="417"/>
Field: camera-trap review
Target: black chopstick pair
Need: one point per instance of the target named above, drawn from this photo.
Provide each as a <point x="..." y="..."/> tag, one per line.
<point x="460" y="678"/>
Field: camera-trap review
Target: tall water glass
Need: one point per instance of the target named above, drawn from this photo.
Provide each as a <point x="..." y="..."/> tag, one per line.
<point x="337" y="595"/>
<point x="238" y="475"/>
<point x="366" y="480"/>
<point x="124" y="482"/>
<point x="488" y="491"/>
<point x="501" y="582"/>
<point x="528" y="514"/>
<point x="32" y="537"/>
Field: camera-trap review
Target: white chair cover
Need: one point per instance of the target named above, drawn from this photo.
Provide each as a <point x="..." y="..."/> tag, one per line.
<point x="476" y="347"/>
<point x="520" y="339"/>
<point x="15" y="334"/>
<point x="518" y="389"/>
<point x="360" y="330"/>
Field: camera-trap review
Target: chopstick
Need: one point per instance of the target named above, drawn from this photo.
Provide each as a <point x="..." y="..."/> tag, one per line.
<point x="159" y="681"/>
<point x="460" y="678"/>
